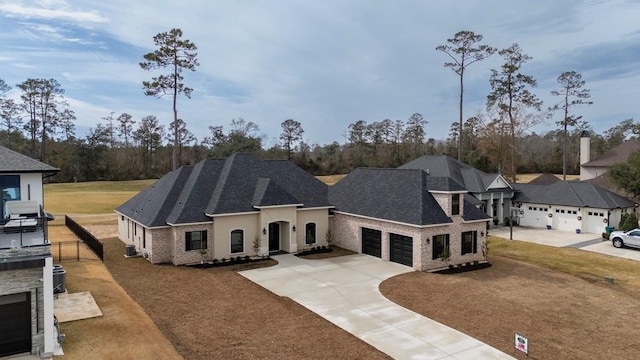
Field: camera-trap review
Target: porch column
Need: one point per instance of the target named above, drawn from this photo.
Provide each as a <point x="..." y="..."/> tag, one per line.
<point x="501" y="208"/>
<point x="491" y="206"/>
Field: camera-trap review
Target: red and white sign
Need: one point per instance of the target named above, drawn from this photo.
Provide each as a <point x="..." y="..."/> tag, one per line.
<point x="522" y="343"/>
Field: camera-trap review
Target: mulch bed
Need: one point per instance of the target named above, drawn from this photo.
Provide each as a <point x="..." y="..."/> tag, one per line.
<point x="216" y="313"/>
<point x="564" y="317"/>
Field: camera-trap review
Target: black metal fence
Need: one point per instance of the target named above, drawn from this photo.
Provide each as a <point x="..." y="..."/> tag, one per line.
<point x="94" y="244"/>
<point x="66" y="250"/>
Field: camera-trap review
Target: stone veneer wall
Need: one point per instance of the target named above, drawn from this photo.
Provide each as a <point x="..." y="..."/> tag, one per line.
<point x="28" y="281"/>
<point x="347" y="234"/>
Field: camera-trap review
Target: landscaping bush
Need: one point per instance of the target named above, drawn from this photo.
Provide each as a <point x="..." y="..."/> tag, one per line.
<point x="628" y="222"/>
<point x="605" y="235"/>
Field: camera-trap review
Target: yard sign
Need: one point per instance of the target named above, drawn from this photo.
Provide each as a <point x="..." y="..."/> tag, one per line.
<point x="522" y="343"/>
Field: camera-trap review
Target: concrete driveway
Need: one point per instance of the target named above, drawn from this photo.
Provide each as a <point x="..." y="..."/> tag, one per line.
<point x="344" y="290"/>
<point x="558" y="238"/>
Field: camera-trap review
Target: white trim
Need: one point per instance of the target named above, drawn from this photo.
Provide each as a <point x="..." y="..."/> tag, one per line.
<point x="317" y="208"/>
<point x="494" y="182"/>
<point x="395" y="222"/>
<point x="243" y="232"/>
<point x="232" y="214"/>
<point x="277" y="206"/>
<point x="474" y="221"/>
<point x="448" y="192"/>
<point x="144" y="226"/>
<point x="189" y="224"/>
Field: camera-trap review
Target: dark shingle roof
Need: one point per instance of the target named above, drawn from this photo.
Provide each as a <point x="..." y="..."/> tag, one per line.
<point x="470" y="178"/>
<point x="218" y="186"/>
<point x="616" y="155"/>
<point x="544" y="179"/>
<point x="571" y="193"/>
<point x="390" y="194"/>
<point x="11" y="161"/>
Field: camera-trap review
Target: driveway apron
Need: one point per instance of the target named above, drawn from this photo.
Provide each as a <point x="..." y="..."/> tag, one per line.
<point x="344" y="290"/>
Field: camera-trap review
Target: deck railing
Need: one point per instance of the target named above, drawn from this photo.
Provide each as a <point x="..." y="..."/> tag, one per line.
<point x="23" y="232"/>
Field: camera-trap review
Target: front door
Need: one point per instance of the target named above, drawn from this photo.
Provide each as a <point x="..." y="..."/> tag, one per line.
<point x="274" y="237"/>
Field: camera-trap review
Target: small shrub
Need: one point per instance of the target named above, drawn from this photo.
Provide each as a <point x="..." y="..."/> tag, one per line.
<point x="215" y="261"/>
<point x="247" y="257"/>
<point x="628" y="222"/>
<point x="223" y="260"/>
<point x="605" y="235"/>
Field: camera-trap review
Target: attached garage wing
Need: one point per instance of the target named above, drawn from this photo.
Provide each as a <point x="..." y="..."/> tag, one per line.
<point x="372" y="242"/>
<point x="15" y="324"/>
<point x="401" y="249"/>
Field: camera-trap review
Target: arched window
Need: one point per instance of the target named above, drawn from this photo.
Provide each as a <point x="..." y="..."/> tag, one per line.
<point x="237" y="241"/>
<point x="310" y="233"/>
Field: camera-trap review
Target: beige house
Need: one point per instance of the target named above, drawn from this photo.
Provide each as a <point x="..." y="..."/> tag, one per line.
<point x="226" y="208"/>
<point x="409" y="217"/>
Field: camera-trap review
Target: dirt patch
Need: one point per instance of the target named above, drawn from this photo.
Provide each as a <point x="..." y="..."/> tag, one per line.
<point x="123" y="332"/>
<point x="335" y="252"/>
<point x="563" y="316"/>
<point x="216" y="313"/>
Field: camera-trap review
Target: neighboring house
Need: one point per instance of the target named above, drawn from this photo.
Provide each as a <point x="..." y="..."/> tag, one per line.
<point x="26" y="265"/>
<point x="222" y="208"/>
<point x="491" y="192"/>
<point x="591" y="169"/>
<point x="409" y="217"/>
<point x="570" y="205"/>
<point x="544" y="179"/>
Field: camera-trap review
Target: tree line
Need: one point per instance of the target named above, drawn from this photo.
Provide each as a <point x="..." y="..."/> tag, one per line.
<point x="119" y="147"/>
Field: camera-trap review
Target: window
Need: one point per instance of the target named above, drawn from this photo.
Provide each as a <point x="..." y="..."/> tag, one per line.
<point x="557" y="211"/>
<point x="237" y="241"/>
<point x="10" y="186"/>
<point x="440" y="246"/>
<point x="195" y="240"/>
<point x="469" y="242"/>
<point x="144" y="238"/>
<point x="455" y="204"/>
<point x="530" y="208"/>
<point x="310" y="233"/>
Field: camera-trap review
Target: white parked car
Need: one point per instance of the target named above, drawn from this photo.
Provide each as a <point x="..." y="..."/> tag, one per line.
<point x="629" y="238"/>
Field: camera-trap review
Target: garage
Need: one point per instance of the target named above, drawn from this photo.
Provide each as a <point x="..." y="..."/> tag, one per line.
<point x="595" y="221"/>
<point x="401" y="249"/>
<point x="15" y="324"/>
<point x="565" y="219"/>
<point x="371" y="242"/>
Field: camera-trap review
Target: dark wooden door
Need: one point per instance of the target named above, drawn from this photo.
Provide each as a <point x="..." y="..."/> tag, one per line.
<point x="274" y="236"/>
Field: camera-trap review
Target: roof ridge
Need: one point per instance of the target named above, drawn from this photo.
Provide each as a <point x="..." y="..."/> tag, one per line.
<point x="220" y="185"/>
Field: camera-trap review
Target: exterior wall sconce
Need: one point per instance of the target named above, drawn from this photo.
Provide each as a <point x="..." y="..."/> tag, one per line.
<point x="428" y="241"/>
<point x="481" y="233"/>
<point x="294" y="228"/>
<point x="264" y="231"/>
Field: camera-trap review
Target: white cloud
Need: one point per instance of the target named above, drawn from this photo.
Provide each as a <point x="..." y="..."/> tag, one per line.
<point x="51" y="10"/>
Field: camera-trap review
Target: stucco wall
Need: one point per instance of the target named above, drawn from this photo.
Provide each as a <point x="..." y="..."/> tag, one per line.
<point x="348" y="234"/>
<point x="222" y="227"/>
<point x="318" y="216"/>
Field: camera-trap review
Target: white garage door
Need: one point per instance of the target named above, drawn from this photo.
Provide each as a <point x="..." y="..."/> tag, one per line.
<point x="565" y="219"/>
<point x="593" y="221"/>
<point x="534" y="216"/>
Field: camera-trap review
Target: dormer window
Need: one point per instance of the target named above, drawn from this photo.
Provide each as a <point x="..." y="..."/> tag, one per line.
<point x="455" y="204"/>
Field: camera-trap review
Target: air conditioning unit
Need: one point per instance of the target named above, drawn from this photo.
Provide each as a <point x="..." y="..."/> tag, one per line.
<point x="130" y="250"/>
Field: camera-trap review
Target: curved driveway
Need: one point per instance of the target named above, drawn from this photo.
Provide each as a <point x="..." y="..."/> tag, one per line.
<point x="344" y="290"/>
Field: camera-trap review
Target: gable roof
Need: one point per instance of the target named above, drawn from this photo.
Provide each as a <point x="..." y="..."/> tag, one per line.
<point x="468" y="177"/>
<point x="616" y="155"/>
<point x="11" y="161"/>
<point x="544" y="179"/>
<point x="221" y="186"/>
<point x="571" y="193"/>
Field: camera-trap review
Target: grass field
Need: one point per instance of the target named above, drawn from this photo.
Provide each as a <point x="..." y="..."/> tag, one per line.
<point x="96" y="197"/>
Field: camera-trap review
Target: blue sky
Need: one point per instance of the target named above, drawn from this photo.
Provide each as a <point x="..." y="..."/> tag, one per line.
<point x="324" y="63"/>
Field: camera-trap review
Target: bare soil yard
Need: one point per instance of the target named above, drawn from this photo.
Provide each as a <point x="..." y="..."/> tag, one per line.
<point x="563" y="316"/>
<point x="217" y="314"/>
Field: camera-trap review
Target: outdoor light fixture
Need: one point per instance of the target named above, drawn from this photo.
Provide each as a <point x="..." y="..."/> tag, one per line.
<point x="481" y="233"/>
<point x="428" y="241"/>
<point x="294" y="228"/>
<point x="264" y="231"/>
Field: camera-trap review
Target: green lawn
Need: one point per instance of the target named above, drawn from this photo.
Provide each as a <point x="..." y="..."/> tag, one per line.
<point x="97" y="197"/>
<point x="581" y="263"/>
